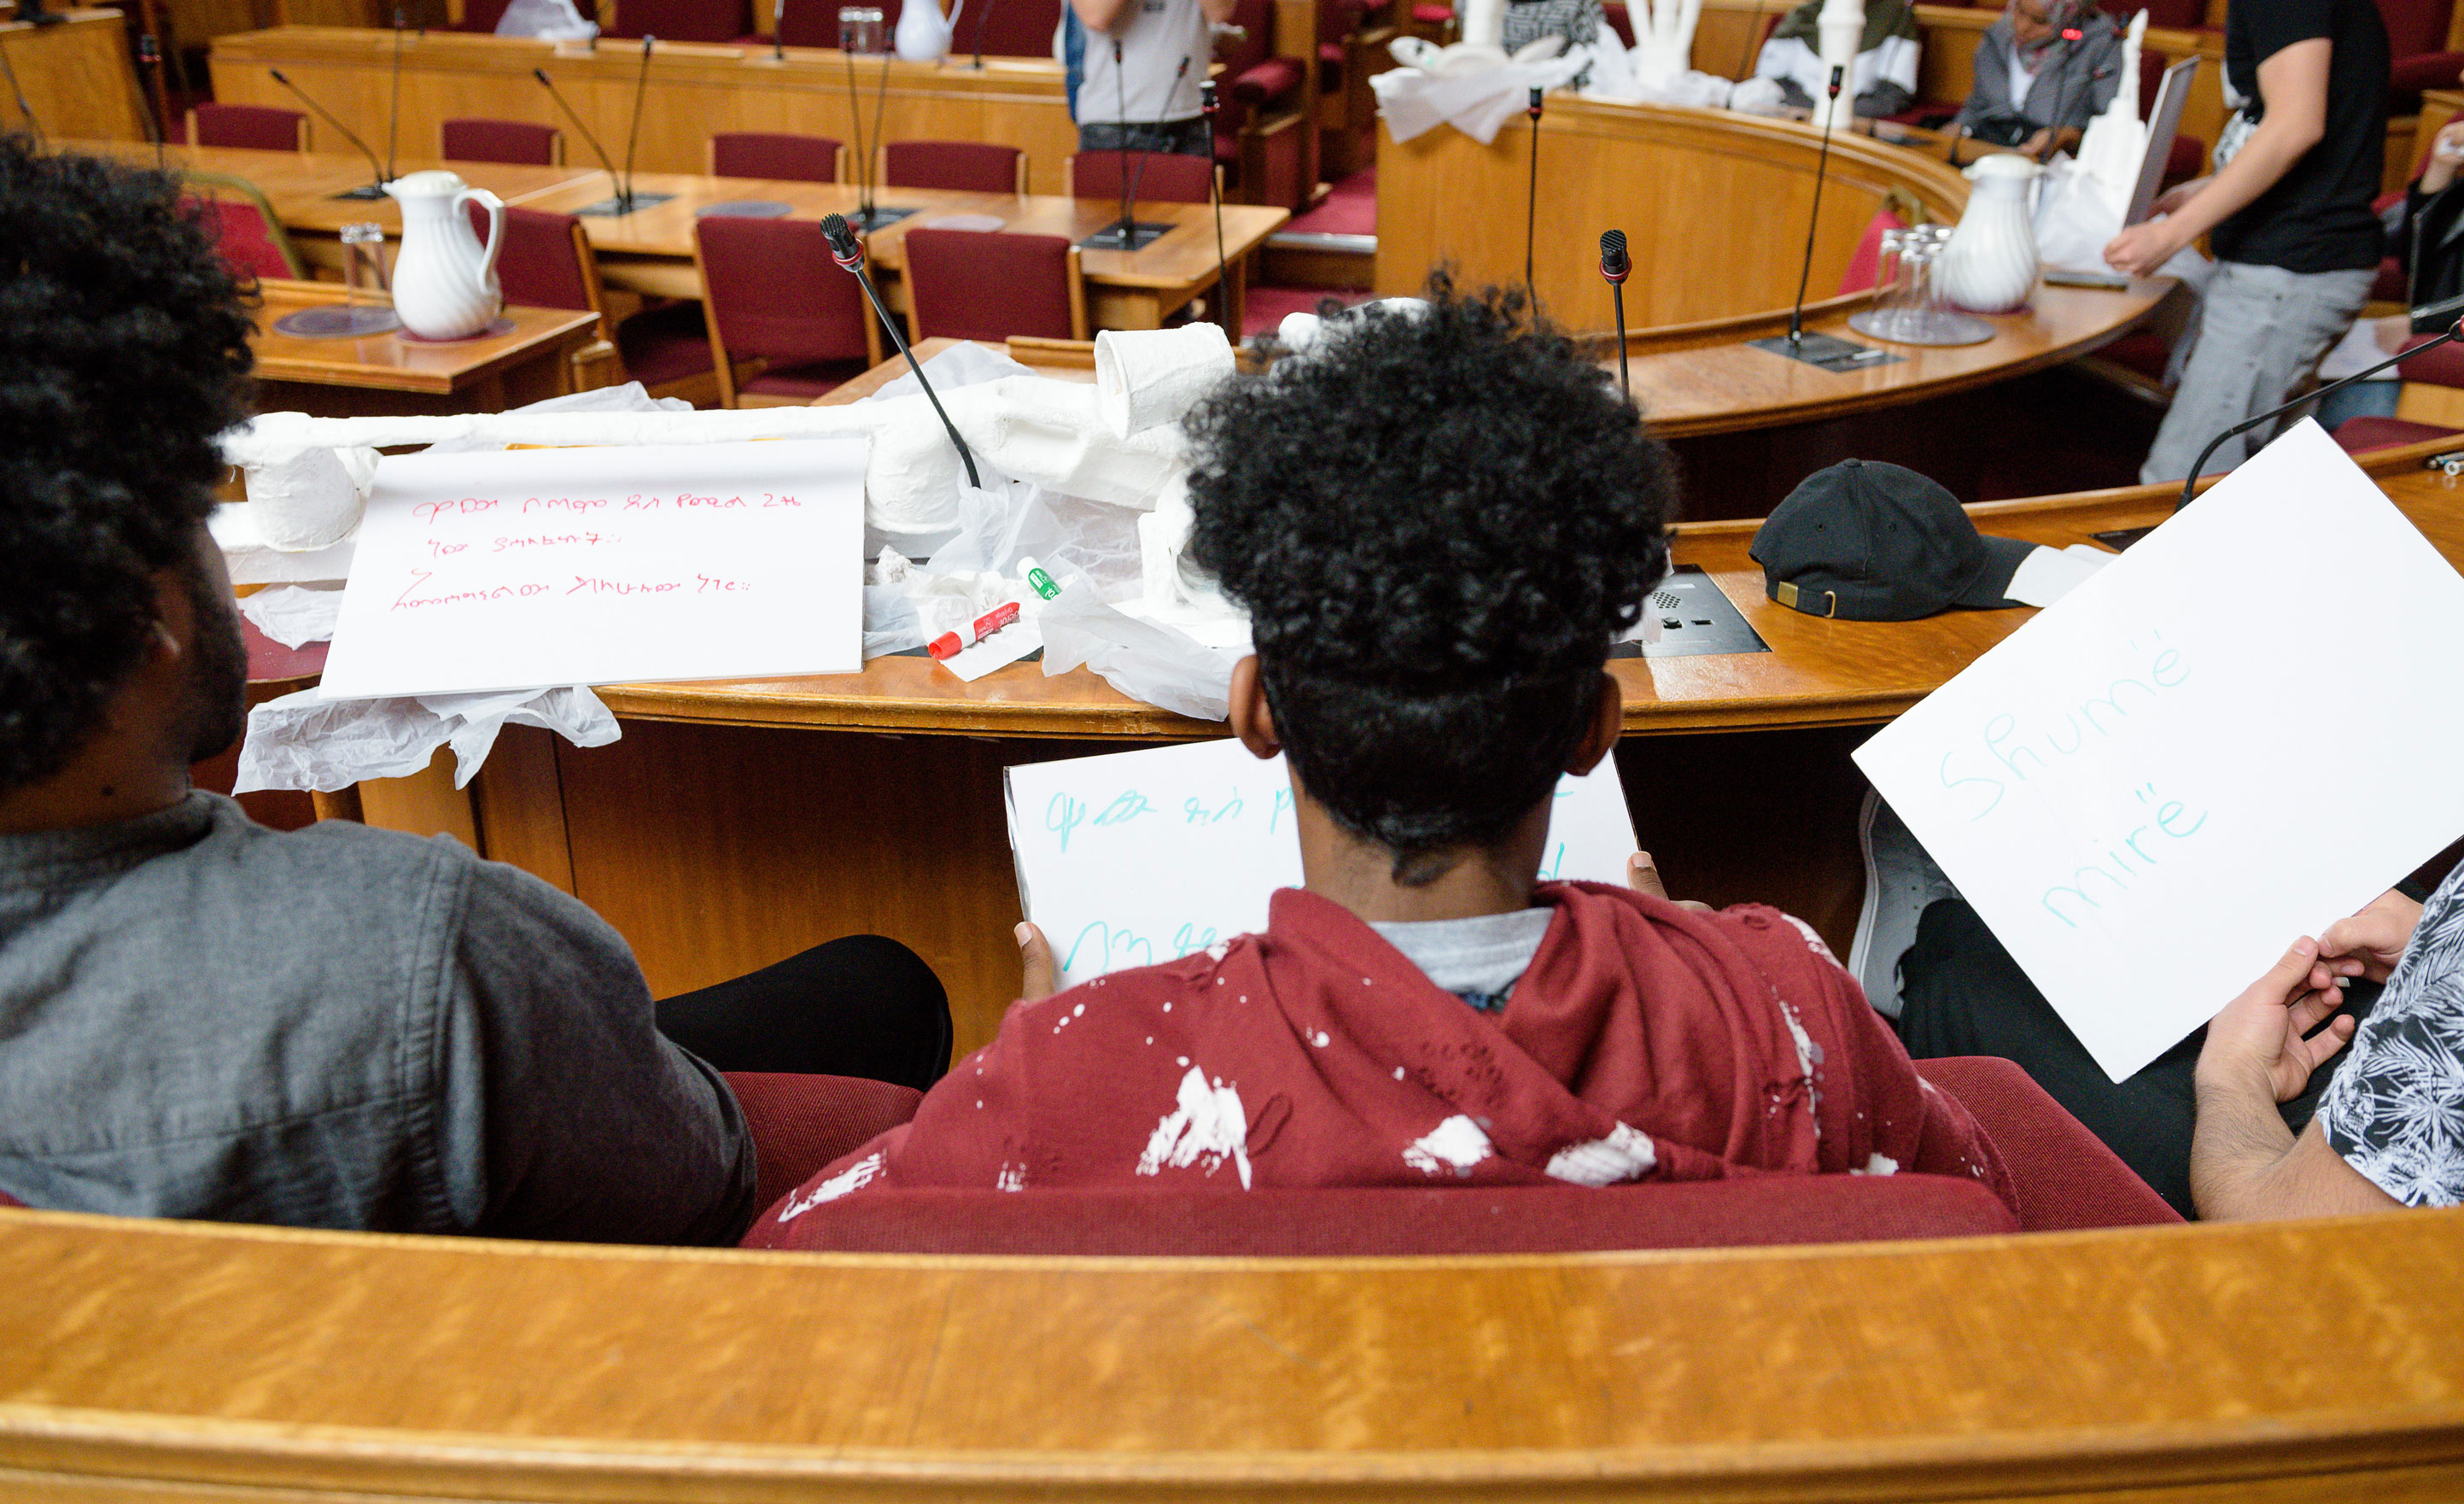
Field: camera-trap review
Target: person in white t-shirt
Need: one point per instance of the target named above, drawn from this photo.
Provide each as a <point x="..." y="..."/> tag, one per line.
<point x="1145" y="59"/>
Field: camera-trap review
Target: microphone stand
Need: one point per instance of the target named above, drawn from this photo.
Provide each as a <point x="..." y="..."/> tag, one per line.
<point x="1615" y="268"/>
<point x="848" y="252"/>
<point x="1208" y="106"/>
<point x="393" y="112"/>
<point x="2450" y="305"/>
<point x="1128" y="234"/>
<point x="1827" y="351"/>
<point x="606" y="208"/>
<point x="149" y="57"/>
<point x="983" y="13"/>
<point x="1531" y="200"/>
<point x="371" y="191"/>
<point x="23" y="109"/>
<point x="633" y="130"/>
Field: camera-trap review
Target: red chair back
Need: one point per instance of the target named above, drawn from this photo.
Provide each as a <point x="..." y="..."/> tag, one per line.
<point x="815" y="23"/>
<point x="538" y="267"/>
<point x="2066" y="1177"/>
<point x="7" y="1200"/>
<point x="967" y="284"/>
<point x="239" y="233"/>
<point x="1379" y="1223"/>
<point x="2415" y="26"/>
<point x="1011" y="29"/>
<point x="769" y="154"/>
<point x="683" y="20"/>
<point x="2182" y="14"/>
<point x="516" y="142"/>
<point x="800" y="1123"/>
<point x="1156" y="177"/>
<point x="960" y="167"/>
<point x="1866" y="265"/>
<point x="774" y="294"/>
<point x="479" y="15"/>
<point x="258" y="127"/>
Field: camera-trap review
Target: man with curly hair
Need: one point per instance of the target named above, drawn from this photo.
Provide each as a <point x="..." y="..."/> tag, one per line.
<point x="1439" y="520"/>
<point x="200" y="1017"/>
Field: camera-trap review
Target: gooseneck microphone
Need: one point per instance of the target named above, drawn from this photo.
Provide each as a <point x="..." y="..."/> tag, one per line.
<point x="1615" y="268"/>
<point x="1821" y="167"/>
<point x="848" y="252"/>
<point x="2446" y="308"/>
<point x="624" y="201"/>
<point x="1208" y="104"/>
<point x="374" y="190"/>
<point x="634" y="131"/>
<point x="158" y="124"/>
<point x="23" y="109"/>
<point x="1531" y="200"/>
<point x="983" y="13"/>
<point x="393" y="111"/>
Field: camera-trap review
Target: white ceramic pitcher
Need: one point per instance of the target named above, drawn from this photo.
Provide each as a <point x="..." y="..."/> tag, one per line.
<point x="443" y="280"/>
<point x="924" y="32"/>
<point x="1990" y="266"/>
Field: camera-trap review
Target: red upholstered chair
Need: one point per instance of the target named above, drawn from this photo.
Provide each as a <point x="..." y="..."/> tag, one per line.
<point x="2067" y="1178"/>
<point x="236" y="213"/>
<point x="7" y="1200"/>
<point x="802" y="1122"/>
<point x="547" y="263"/>
<point x="968" y="284"/>
<point x="516" y="142"/>
<point x="2187" y="15"/>
<point x="1262" y="131"/>
<point x="683" y="20"/>
<point x="962" y="167"/>
<point x="815" y="23"/>
<point x="1351" y="38"/>
<point x="259" y="127"/>
<point x="1865" y="263"/>
<point x="774" y="295"/>
<point x="1357" y="1223"/>
<point x="2360" y="435"/>
<point x="769" y="154"/>
<point x="477" y="15"/>
<point x="1010" y="29"/>
<point x="1156" y="177"/>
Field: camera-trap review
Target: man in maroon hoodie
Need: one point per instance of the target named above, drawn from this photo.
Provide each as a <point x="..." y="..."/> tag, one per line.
<point x="1438" y="522"/>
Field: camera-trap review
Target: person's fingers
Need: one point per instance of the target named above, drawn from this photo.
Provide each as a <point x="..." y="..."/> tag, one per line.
<point x="1038" y="977"/>
<point x="2312" y="1006"/>
<point x="1643" y="876"/>
<point x="2321" y="1047"/>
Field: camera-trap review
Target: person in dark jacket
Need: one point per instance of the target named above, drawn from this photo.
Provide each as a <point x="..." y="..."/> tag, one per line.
<point x="2043" y="71"/>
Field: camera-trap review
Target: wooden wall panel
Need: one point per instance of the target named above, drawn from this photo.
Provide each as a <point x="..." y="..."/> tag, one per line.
<point x="77" y="78"/>
<point x="693" y="92"/>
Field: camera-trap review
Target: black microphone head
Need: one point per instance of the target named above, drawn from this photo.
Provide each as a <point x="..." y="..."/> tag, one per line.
<point x="277" y="76"/>
<point x="540" y="73"/>
<point x="647" y="41"/>
<point x="844" y="246"/>
<point x="1206" y="97"/>
<point x="1838" y="76"/>
<point x="1615" y="264"/>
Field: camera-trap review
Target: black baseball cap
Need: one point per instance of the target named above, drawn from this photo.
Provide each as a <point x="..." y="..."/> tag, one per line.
<point x="1875" y="542"/>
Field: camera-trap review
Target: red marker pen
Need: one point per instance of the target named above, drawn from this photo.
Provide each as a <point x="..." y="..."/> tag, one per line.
<point x="948" y="645"/>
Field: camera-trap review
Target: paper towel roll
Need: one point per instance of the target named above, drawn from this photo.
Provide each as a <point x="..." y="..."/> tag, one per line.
<point x="1149" y="377"/>
<point x="1047" y="432"/>
<point x="308" y="498"/>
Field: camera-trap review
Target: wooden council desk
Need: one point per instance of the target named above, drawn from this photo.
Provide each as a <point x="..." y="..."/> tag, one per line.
<point x="389" y="373"/>
<point x="76" y="76"/>
<point x="720" y="834"/>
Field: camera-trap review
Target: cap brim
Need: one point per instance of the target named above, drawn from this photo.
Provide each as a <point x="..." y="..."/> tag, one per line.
<point x="1988" y="589"/>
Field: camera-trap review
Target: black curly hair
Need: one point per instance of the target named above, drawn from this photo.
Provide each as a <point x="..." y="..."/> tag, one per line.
<point x="123" y="350"/>
<point x="1438" y="519"/>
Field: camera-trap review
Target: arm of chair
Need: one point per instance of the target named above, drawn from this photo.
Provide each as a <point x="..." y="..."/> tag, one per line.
<point x="2067" y="1178"/>
<point x="1266" y="83"/>
<point x="800" y="1123"/>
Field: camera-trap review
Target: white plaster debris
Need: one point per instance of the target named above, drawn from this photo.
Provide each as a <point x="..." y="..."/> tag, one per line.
<point x="1879" y="1164"/>
<point x="855" y="1177"/>
<point x="1625" y="1155"/>
<point x="1456" y="1143"/>
<point x="1207" y="1127"/>
<point x="1319" y="1039"/>
<point x="1012" y="1178"/>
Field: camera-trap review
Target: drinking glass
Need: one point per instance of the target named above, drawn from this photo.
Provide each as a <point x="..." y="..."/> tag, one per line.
<point x="861" y="29"/>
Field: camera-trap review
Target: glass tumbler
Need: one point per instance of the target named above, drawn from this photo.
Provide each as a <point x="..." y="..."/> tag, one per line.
<point x="861" y="29"/>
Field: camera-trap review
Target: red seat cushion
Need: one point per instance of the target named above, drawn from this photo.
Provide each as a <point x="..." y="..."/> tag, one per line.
<point x="967" y="284"/>
<point x="962" y="167"/>
<point x="665" y="345"/>
<point x="777" y="295"/>
<point x="2443" y="367"/>
<point x="2066" y="1177"/>
<point x="1864" y="264"/>
<point x="1357" y="1223"/>
<point x="2354" y="435"/>
<point x="799" y="1123"/>
<point x="1445" y="14"/>
<point x="240" y="234"/>
<point x="2410" y="75"/>
<point x="259" y="127"/>
<point x="1266" y="83"/>
<point x="803" y="383"/>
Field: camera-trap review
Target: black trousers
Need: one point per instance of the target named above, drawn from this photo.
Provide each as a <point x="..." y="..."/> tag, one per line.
<point x="1189" y="138"/>
<point x="858" y="1005"/>
<point x="1962" y="994"/>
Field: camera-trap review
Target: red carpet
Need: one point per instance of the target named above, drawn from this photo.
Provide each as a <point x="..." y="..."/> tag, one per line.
<point x="1351" y="209"/>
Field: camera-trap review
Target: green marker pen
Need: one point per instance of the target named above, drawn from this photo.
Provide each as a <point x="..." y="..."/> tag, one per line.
<point x="1036" y="577"/>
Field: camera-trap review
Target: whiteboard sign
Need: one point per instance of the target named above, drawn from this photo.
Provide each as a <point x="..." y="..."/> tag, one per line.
<point x="1134" y="858"/>
<point x="534" y="568"/>
<point x="2240" y="731"/>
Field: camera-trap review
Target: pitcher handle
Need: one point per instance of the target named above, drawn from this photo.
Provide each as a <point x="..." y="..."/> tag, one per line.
<point x="496" y="208"/>
<point x="952" y="20"/>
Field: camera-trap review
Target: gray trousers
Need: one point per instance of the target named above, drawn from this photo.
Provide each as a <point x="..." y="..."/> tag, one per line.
<point x="2262" y="331"/>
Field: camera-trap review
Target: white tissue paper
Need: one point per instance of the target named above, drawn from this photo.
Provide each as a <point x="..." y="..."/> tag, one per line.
<point x="2048" y="574"/>
<point x="1145" y="660"/>
<point x="1149" y="377"/>
<point x="301" y="742"/>
<point x="1476" y="103"/>
<point x="309" y="498"/>
<point x="252" y="560"/>
<point x="293" y="614"/>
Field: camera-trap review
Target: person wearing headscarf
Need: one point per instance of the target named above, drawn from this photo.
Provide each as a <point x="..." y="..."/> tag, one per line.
<point x="2043" y="71"/>
<point x="1883" y="80"/>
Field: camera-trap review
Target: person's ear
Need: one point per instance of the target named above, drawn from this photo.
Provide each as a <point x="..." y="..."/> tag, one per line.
<point x="1608" y="722"/>
<point x="175" y="624"/>
<point x="1253" y="722"/>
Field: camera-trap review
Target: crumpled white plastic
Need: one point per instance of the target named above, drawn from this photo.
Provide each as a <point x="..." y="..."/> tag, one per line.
<point x="1145" y="660"/>
<point x="301" y="742"/>
<point x="549" y="20"/>
<point x="293" y="614"/>
<point x="1477" y="103"/>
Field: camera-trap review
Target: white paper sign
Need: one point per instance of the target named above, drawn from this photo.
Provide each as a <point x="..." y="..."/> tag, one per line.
<point x="1137" y="857"/>
<point x="548" y="566"/>
<point x="2240" y="731"/>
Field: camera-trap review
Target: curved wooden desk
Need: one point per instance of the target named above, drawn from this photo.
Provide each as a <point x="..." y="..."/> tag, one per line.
<point x="165" y="1360"/>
